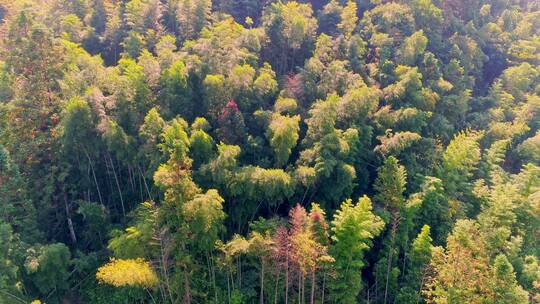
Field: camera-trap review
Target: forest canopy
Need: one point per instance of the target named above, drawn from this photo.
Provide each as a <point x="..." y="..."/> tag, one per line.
<point x="270" y="151"/>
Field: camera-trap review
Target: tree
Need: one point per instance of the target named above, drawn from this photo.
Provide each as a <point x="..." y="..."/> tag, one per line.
<point x="260" y="246"/>
<point x="417" y="272"/>
<point x="348" y="19"/>
<point x="390" y="187"/>
<point x="8" y="269"/>
<point x="48" y="268"/>
<point x="330" y="152"/>
<point x="192" y="17"/>
<point x="463" y="254"/>
<point x="529" y="149"/>
<point x="486" y="282"/>
<point x="396" y="143"/>
<point x="291" y="29"/>
<point x="283" y="135"/>
<point x="204" y="215"/>
<point x="96" y="224"/>
<point x="135" y="241"/>
<point x="412" y="48"/>
<point x="176" y="93"/>
<point x="133" y="43"/>
<point x="202" y="145"/>
<point x="308" y="248"/>
<point x="150" y="135"/>
<point x="256" y="187"/>
<point x="392" y="18"/>
<point x="18" y="214"/>
<point x="34" y="108"/>
<point x="127" y="273"/>
<point x="353" y="228"/>
<point x="231" y="124"/>
<point x="506" y="289"/>
<point x="357" y="106"/>
<point x="435" y="210"/>
<point x="78" y="132"/>
<point x="216" y="94"/>
<point x="460" y="159"/>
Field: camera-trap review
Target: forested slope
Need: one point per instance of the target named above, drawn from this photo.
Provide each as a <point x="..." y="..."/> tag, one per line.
<point x="259" y="151"/>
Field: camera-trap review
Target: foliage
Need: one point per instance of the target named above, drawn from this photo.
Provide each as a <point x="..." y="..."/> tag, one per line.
<point x="353" y="227"/>
<point x="179" y="143"/>
<point x="127" y="273"/>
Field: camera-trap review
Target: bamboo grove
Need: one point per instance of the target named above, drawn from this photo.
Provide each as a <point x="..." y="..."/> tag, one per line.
<point x="260" y="151"/>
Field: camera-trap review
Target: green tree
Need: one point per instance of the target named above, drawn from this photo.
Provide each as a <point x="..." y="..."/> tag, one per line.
<point x="216" y="94"/>
<point x="291" y="29"/>
<point x="35" y="108"/>
<point x="330" y="152"/>
<point x="192" y="16"/>
<point x="18" y="213"/>
<point x="283" y="135"/>
<point x="435" y="210"/>
<point x="390" y="187"/>
<point x="412" y="48"/>
<point x="353" y="228"/>
<point x="417" y="273"/>
<point x="487" y="282"/>
<point x="8" y="269"/>
<point x="78" y="143"/>
<point x="506" y="289"/>
<point x="348" y="19"/>
<point x="176" y="93"/>
<point x="459" y="161"/>
<point x="202" y="145"/>
<point x="48" y="269"/>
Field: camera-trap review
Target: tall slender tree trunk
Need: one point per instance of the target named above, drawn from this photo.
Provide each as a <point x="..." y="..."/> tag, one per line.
<point x="323" y="287"/>
<point x="140" y="188"/>
<point x="117" y="185"/>
<point x="164" y="260"/>
<point x="69" y="221"/>
<point x="303" y="289"/>
<point x="213" y="275"/>
<point x="145" y="183"/>
<point x="395" y="223"/>
<point x="261" y="296"/>
<point x="131" y="179"/>
<point x="276" y="288"/>
<point x="187" y="289"/>
<point x="312" y="296"/>
<point x="228" y="287"/>
<point x="299" y="289"/>
<point x="287" y="278"/>
<point x="422" y="282"/>
<point x="95" y="178"/>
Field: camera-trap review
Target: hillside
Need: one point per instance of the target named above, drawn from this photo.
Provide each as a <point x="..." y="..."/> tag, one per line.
<point x="261" y="151"/>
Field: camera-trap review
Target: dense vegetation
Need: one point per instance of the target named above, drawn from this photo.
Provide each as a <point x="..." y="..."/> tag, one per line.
<point x="259" y="151"/>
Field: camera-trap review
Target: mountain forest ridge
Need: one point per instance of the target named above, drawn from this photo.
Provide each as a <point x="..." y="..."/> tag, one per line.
<point x="261" y="151"/>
